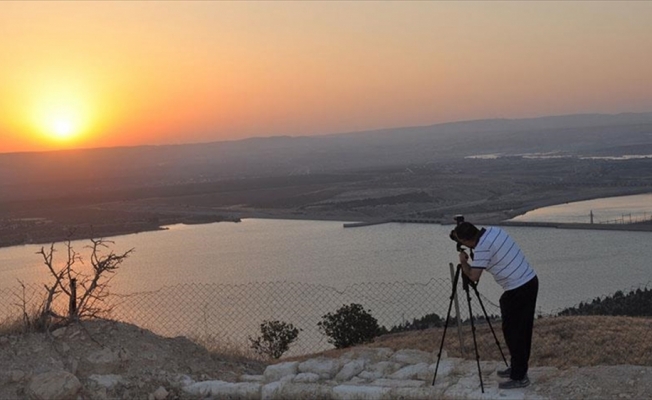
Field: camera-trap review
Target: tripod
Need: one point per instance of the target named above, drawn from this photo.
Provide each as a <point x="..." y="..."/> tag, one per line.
<point x="466" y="283"/>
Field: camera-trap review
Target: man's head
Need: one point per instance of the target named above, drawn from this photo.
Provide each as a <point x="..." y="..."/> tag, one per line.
<point x="467" y="234"/>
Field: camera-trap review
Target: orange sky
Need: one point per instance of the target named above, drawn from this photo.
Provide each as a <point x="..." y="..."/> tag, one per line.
<point x="92" y="74"/>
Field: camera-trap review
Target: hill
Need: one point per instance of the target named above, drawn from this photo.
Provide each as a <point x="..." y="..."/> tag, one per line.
<point x="105" y="359"/>
<point x="489" y="170"/>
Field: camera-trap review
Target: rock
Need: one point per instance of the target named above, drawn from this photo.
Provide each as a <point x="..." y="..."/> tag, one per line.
<point x="349" y="370"/>
<point x="306" y="377"/>
<point x="160" y="393"/>
<point x="326" y="368"/>
<point x="306" y="391"/>
<point x="65" y="348"/>
<point x="444" y="369"/>
<point x="104" y="361"/>
<point x="59" y="332"/>
<point x="398" y="383"/>
<point x="106" y="381"/>
<point x="277" y="371"/>
<point x="383" y="368"/>
<point x="74" y="365"/>
<point x="350" y="392"/>
<point x="53" y="385"/>
<point x="16" y="375"/>
<point x="221" y="389"/>
<point x="180" y="380"/>
<point x="416" y="371"/>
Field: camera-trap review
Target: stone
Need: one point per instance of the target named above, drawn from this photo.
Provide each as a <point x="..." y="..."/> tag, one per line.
<point x="160" y="393"/>
<point x="104" y="361"/>
<point x="272" y="391"/>
<point x="221" y="389"/>
<point x="370" y="376"/>
<point x="398" y="383"/>
<point x="326" y="368"/>
<point x="306" y="391"/>
<point x="306" y="377"/>
<point x="444" y="370"/>
<point x="16" y="375"/>
<point x="349" y="370"/>
<point x="383" y="367"/>
<point x="351" y="392"/>
<point x="53" y="385"/>
<point x="59" y="332"/>
<point x="277" y="371"/>
<point x="107" y="381"/>
<point x="65" y="348"/>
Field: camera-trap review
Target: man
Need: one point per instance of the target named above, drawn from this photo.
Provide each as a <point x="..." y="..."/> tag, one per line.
<point x="497" y="253"/>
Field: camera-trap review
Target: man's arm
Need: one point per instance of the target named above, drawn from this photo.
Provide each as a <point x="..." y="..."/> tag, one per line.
<point x="472" y="273"/>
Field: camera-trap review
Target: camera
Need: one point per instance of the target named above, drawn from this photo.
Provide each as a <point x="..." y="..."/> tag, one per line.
<point x="458" y="220"/>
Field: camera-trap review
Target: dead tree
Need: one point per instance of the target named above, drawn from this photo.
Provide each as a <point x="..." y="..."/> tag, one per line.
<point x="85" y="291"/>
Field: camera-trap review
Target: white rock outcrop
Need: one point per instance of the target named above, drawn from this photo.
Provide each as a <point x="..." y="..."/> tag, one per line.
<point x="370" y="374"/>
<point x="53" y="385"/>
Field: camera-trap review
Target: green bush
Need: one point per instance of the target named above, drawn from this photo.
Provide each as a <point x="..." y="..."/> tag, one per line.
<point x="275" y="339"/>
<point x="349" y="326"/>
<point x="426" y="322"/>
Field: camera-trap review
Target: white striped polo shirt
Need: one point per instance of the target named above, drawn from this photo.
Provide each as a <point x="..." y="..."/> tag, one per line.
<point x="498" y="254"/>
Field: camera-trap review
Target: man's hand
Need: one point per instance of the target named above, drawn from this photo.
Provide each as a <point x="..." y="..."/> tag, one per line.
<point x="472" y="273"/>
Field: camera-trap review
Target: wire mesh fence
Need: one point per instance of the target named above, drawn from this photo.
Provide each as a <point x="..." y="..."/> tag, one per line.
<point x="413" y="313"/>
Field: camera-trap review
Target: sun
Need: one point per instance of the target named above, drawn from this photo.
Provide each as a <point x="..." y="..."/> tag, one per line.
<point x="61" y="120"/>
<point x="62" y="127"/>
<point x="58" y="109"/>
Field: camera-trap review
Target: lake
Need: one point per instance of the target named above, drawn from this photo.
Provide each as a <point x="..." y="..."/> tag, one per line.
<point x="621" y="209"/>
<point x="573" y="265"/>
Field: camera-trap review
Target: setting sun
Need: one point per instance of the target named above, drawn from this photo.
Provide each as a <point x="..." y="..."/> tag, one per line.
<point x="61" y="114"/>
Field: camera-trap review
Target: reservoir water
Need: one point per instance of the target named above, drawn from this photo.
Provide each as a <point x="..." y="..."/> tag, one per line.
<point x="573" y="265"/>
<point x="621" y="209"/>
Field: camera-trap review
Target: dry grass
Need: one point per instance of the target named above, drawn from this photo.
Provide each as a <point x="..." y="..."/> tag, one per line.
<point x="558" y="341"/>
<point x="12" y="326"/>
<point x="226" y="350"/>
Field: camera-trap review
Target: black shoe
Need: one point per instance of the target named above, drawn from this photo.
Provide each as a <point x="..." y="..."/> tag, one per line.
<point x="505" y="373"/>
<point x="514" y="384"/>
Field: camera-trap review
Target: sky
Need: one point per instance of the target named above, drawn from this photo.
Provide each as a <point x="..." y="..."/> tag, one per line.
<point x="124" y="73"/>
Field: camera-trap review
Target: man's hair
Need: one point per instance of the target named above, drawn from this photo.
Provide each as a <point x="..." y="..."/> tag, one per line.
<point x="466" y="231"/>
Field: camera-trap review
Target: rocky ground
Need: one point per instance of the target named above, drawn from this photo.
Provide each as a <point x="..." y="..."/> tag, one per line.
<point x="106" y="359"/>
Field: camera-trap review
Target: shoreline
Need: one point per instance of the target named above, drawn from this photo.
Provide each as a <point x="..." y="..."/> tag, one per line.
<point x="347" y="221"/>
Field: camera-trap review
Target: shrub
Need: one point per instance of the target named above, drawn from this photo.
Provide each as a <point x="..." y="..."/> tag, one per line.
<point x="349" y="326"/>
<point x="636" y="303"/>
<point x="275" y="340"/>
<point x="426" y="322"/>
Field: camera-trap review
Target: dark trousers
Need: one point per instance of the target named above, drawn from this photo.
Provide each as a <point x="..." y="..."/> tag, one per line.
<point x="517" y="308"/>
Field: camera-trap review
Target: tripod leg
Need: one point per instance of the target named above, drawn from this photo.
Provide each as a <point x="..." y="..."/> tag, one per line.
<point x="448" y="316"/>
<point x="486" y="317"/>
<point x="475" y="343"/>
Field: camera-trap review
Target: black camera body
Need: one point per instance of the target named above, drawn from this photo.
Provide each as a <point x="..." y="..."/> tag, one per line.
<point x="458" y="220"/>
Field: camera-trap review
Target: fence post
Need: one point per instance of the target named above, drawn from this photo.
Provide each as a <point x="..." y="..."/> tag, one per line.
<point x="457" y="311"/>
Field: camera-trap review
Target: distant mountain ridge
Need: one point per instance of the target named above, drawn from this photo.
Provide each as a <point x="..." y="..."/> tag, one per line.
<point x="581" y="134"/>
